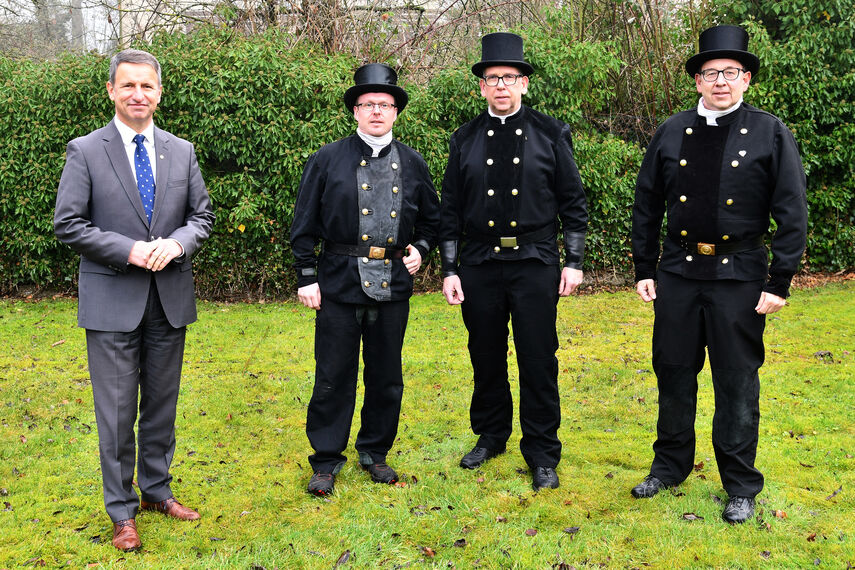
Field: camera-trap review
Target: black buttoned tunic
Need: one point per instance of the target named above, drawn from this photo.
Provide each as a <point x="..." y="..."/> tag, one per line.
<point x="719" y="186"/>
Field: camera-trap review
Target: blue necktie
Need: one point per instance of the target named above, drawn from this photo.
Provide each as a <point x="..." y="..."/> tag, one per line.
<point x="145" y="178"/>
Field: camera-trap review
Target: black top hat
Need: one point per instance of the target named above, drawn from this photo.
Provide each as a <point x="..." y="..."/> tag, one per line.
<point x="375" y="78"/>
<point x="502" y="48"/>
<point x="723" y="42"/>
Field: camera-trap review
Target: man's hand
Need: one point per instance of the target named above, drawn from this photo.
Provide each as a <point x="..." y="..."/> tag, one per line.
<point x="165" y="250"/>
<point x="769" y="303"/>
<point x="646" y="289"/>
<point x="570" y="279"/>
<point x="452" y="289"/>
<point x="413" y="259"/>
<point x="140" y="253"/>
<point x="310" y="295"/>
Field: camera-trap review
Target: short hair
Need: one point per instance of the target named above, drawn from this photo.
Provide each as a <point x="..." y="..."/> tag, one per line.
<point x="133" y="56"/>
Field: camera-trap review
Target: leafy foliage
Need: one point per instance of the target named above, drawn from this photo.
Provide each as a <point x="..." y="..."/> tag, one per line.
<point x="256" y="107"/>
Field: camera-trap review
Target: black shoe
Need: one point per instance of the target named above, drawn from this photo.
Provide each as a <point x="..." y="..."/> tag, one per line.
<point x="478" y="456"/>
<point x="647" y="488"/>
<point x="738" y="510"/>
<point x="544" y="478"/>
<point x="380" y="473"/>
<point x="321" y="484"/>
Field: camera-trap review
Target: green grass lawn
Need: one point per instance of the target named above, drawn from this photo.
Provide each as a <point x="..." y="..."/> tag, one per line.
<point x="241" y="453"/>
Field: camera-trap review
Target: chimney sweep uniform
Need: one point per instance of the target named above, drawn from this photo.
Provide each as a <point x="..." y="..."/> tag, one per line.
<point x="511" y="185"/>
<point x="363" y="207"/>
<point x="719" y="175"/>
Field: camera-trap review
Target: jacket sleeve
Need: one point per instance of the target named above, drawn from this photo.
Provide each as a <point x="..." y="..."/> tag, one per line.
<point x="450" y="229"/>
<point x="572" y="204"/>
<point x="648" y="211"/>
<point x="199" y="215"/>
<point x="788" y="207"/>
<point x="426" y="229"/>
<point x="72" y="219"/>
<point x="306" y="226"/>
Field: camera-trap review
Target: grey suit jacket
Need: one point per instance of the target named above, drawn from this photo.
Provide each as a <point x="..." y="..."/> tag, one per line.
<point x="99" y="213"/>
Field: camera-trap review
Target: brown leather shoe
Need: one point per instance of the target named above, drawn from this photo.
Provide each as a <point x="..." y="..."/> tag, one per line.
<point x="125" y="535"/>
<point x="171" y="508"/>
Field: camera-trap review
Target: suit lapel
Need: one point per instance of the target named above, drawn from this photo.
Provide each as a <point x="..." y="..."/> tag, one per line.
<point x="162" y="156"/>
<point x="119" y="159"/>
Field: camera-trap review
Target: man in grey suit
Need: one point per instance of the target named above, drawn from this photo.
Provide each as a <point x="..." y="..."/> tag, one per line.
<point x="132" y="203"/>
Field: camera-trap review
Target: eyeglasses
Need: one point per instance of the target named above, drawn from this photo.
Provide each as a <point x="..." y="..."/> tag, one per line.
<point x="507" y="79"/>
<point x="730" y="73"/>
<point x="369" y="107"/>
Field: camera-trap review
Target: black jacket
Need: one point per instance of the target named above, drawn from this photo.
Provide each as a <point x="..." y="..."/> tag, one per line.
<point x="327" y="208"/>
<point x="509" y="180"/>
<point x="719" y="185"/>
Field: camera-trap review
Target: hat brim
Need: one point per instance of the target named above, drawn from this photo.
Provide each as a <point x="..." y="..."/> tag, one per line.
<point x="352" y="94"/>
<point x="747" y="59"/>
<point x="524" y="67"/>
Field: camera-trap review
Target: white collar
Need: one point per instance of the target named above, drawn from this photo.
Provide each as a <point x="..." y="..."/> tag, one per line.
<point x="503" y="118"/>
<point x="376" y="143"/>
<point x="711" y="115"/>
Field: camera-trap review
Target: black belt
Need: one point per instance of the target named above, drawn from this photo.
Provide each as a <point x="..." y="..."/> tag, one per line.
<point x="723" y="248"/>
<point x="512" y="241"/>
<point x="370" y="251"/>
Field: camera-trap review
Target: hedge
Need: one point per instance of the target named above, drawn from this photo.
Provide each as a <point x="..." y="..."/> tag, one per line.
<point x="255" y="112"/>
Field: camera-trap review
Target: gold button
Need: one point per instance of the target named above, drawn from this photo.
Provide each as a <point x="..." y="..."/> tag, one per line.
<point x="682" y="198"/>
<point x="725" y="237"/>
<point x="364" y="211"/>
<point x="394" y="166"/>
<point x="688" y="258"/>
<point x="519" y="132"/>
<point x="724" y="261"/>
<point x="386" y="262"/>
<point x="366" y="283"/>
<point x="491" y="223"/>
<point x="683" y="162"/>
<point x="364" y="237"/>
<point x="497" y="249"/>
<point x="490" y="192"/>
<point x="729" y="201"/>
<point x="390" y="240"/>
<point x="394" y="214"/>
<point x="489" y="161"/>
<point x="384" y="284"/>
<point x="363" y="163"/>
<point x="364" y="260"/>
<point x="365" y="186"/>
<point x="394" y="189"/>
<point x="684" y="233"/>
<point x="743" y="130"/>
<point x="515" y="191"/>
<point x="490" y="133"/>
<point x="516" y="160"/>
<point x="689" y="130"/>
<point x="513" y="224"/>
<point x="735" y="163"/>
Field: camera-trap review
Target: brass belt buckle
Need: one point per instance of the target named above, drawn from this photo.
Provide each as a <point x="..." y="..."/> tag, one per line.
<point x="706" y="248"/>
<point x="508" y="241"/>
<point x="376" y="252"/>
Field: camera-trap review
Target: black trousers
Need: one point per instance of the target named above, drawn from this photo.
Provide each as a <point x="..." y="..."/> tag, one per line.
<point x="717" y="315"/>
<point x="339" y="328"/>
<point x="525" y="292"/>
<point x="127" y="369"/>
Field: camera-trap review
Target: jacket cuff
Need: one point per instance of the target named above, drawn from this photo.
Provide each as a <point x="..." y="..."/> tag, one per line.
<point x="778" y="285"/>
<point x="448" y="256"/>
<point x="306" y="276"/>
<point x="574" y="249"/>
<point x="423" y="247"/>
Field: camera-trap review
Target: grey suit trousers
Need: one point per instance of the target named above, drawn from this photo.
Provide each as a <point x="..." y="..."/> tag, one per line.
<point x="129" y="369"/>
